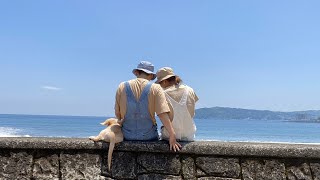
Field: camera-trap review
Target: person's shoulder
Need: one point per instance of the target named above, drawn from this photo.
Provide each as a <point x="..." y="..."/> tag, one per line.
<point x="156" y="86"/>
<point x="122" y="84"/>
<point x="184" y="86"/>
<point x="131" y="81"/>
<point x="156" y="89"/>
<point x="120" y="87"/>
<point x="192" y="93"/>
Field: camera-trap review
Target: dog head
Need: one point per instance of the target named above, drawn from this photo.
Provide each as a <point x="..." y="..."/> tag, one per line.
<point x="109" y="122"/>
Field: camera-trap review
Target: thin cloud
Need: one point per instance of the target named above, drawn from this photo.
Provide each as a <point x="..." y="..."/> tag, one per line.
<point x="51" y="88"/>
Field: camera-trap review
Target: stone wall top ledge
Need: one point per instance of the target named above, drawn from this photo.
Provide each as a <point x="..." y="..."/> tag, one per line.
<point x="198" y="147"/>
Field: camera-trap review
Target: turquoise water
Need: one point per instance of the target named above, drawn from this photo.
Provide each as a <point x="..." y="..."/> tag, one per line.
<point x="207" y="129"/>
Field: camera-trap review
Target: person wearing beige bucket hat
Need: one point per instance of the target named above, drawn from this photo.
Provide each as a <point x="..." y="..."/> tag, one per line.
<point x="137" y="101"/>
<point x="182" y="100"/>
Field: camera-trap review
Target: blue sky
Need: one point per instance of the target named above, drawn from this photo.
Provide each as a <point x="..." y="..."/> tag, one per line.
<point x="68" y="57"/>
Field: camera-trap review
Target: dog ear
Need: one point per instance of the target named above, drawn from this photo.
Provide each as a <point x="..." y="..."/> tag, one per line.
<point x="105" y="123"/>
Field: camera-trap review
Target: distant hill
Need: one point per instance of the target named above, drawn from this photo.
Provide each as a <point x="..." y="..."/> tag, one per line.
<point x="237" y="113"/>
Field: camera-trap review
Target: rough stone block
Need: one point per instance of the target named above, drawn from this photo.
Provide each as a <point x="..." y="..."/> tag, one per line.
<point x="222" y="167"/>
<point x="46" y="166"/>
<point x="200" y="172"/>
<point x="80" y="166"/>
<point x="263" y="169"/>
<point x="296" y="171"/>
<point x="15" y="165"/>
<point x="315" y="168"/>
<point x="216" y="178"/>
<point x="123" y="165"/>
<point x="159" y="163"/>
<point x="188" y="168"/>
<point x="158" y="177"/>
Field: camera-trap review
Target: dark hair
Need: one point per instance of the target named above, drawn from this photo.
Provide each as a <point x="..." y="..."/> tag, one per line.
<point x="175" y="80"/>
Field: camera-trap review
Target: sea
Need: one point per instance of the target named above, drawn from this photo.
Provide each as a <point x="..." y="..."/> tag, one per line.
<point x="264" y="131"/>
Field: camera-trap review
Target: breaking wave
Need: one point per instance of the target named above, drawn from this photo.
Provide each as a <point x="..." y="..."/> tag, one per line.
<point x="12" y="132"/>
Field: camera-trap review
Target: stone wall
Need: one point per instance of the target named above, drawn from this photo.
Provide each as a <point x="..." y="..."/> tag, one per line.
<point x="67" y="158"/>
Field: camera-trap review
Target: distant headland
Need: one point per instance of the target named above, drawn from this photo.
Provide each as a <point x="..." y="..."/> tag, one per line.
<point x="238" y="113"/>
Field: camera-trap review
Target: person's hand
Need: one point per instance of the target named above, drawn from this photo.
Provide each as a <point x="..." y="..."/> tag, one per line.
<point x="174" y="145"/>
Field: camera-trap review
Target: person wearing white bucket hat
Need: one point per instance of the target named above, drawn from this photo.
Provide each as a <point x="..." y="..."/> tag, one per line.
<point x="182" y="100"/>
<point x="137" y="102"/>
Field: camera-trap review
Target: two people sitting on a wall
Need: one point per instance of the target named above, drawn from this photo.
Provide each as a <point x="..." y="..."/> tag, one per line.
<point x="138" y="100"/>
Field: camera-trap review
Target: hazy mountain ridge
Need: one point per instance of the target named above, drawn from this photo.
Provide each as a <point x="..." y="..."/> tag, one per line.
<point x="238" y="113"/>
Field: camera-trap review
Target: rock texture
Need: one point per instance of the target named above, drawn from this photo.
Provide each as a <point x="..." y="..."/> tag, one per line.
<point x="59" y="159"/>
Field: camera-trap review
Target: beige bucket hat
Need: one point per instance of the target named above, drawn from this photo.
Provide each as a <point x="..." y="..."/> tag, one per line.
<point x="164" y="73"/>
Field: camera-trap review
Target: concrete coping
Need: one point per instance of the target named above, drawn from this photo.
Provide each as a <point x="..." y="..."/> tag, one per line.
<point x="216" y="148"/>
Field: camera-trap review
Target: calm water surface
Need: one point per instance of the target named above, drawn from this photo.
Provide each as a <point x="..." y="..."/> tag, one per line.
<point x="207" y="129"/>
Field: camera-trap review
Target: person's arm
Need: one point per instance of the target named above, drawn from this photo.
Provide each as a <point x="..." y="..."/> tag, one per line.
<point x="174" y="145"/>
<point x="117" y="104"/>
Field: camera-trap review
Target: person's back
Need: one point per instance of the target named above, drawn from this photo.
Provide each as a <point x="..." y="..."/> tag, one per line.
<point x="182" y="101"/>
<point x="176" y="92"/>
<point x="137" y="101"/>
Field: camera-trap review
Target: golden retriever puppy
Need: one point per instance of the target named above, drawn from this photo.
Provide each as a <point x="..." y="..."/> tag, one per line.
<point x="112" y="134"/>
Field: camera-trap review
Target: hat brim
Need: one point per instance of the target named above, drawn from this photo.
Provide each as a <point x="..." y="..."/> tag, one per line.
<point x="164" y="78"/>
<point x="146" y="71"/>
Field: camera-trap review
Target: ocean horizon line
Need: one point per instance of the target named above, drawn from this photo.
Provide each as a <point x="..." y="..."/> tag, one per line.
<point x="235" y="108"/>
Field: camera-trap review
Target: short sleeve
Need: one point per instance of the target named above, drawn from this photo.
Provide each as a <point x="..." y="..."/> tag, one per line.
<point x="161" y="104"/>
